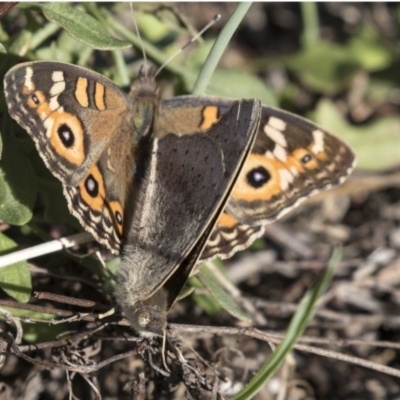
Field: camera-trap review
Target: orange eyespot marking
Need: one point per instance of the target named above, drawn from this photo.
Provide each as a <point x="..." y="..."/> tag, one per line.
<point x="293" y="164"/>
<point x="99" y="96"/>
<point x="117" y="215"/>
<point x="210" y="116"/>
<point x="259" y="179"/>
<point x="226" y="221"/>
<point x="66" y="136"/>
<point x="92" y="189"/>
<point x="306" y="158"/>
<point x="36" y="100"/>
<point x="81" y="95"/>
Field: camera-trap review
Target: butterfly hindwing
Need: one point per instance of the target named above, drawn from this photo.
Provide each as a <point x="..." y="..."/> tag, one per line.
<point x="291" y="160"/>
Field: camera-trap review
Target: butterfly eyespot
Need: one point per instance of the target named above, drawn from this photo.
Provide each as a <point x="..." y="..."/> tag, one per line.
<point x="66" y="136"/>
<point x="306" y="159"/>
<point x="118" y="217"/>
<point x="258" y="177"/>
<point x="35" y="99"/>
<point x="91" y="185"/>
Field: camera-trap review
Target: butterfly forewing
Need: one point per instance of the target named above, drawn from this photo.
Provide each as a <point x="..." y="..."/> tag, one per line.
<point x="184" y="184"/>
<point x="78" y="120"/>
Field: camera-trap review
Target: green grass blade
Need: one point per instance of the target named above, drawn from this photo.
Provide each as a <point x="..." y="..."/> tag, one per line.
<point x="218" y="48"/>
<point x="296" y="328"/>
<point x="224" y="299"/>
<point x="309" y="12"/>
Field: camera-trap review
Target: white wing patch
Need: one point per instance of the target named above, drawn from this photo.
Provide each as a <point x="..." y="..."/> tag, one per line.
<point x="56" y="89"/>
<point x="275" y="135"/>
<point x="28" y="79"/>
<point x="318" y="145"/>
<point x="280" y="153"/>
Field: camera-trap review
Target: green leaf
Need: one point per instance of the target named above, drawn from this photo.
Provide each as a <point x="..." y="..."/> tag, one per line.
<point x="206" y="277"/>
<point x="53" y="53"/>
<point x="205" y="301"/>
<point x="38" y="332"/>
<point x="369" y="50"/>
<point x="20" y="43"/>
<point x="15" y="279"/>
<point x="187" y="290"/>
<point x="18" y="184"/>
<point x="152" y="28"/>
<point x="375" y="144"/>
<point x="325" y="67"/>
<point x="246" y="86"/>
<point x="296" y="328"/>
<point x="81" y="26"/>
<point x="56" y="204"/>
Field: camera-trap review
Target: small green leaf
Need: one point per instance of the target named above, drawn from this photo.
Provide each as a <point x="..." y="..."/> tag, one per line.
<point x="38" y="332"/>
<point x="370" y="51"/>
<point x="18" y="184"/>
<point x="152" y="28"/>
<point x="81" y="26"/>
<point x="54" y="53"/>
<point x="187" y="290"/>
<point x="56" y="204"/>
<point x="15" y="279"/>
<point x="376" y="144"/>
<point x="20" y="43"/>
<point x="246" y="86"/>
<point x="205" y="301"/>
<point x="206" y="277"/>
<point x="325" y="67"/>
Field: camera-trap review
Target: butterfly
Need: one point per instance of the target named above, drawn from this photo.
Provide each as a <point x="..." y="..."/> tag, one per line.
<point x="168" y="183"/>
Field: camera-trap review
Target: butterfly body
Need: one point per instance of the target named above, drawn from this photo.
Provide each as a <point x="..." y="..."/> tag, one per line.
<point x="168" y="182"/>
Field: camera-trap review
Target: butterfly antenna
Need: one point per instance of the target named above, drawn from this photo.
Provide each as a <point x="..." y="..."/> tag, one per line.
<point x="216" y="18"/>
<point x="140" y="38"/>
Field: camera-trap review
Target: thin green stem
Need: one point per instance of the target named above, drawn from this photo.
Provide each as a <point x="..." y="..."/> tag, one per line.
<point x="123" y="74"/>
<point x="218" y="49"/>
<point x="296" y="328"/>
<point x="309" y="12"/>
<point x="42" y="34"/>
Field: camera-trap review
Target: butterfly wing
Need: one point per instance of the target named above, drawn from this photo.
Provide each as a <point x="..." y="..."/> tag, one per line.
<point x="180" y="192"/>
<point x="78" y="121"/>
<point x="291" y="160"/>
